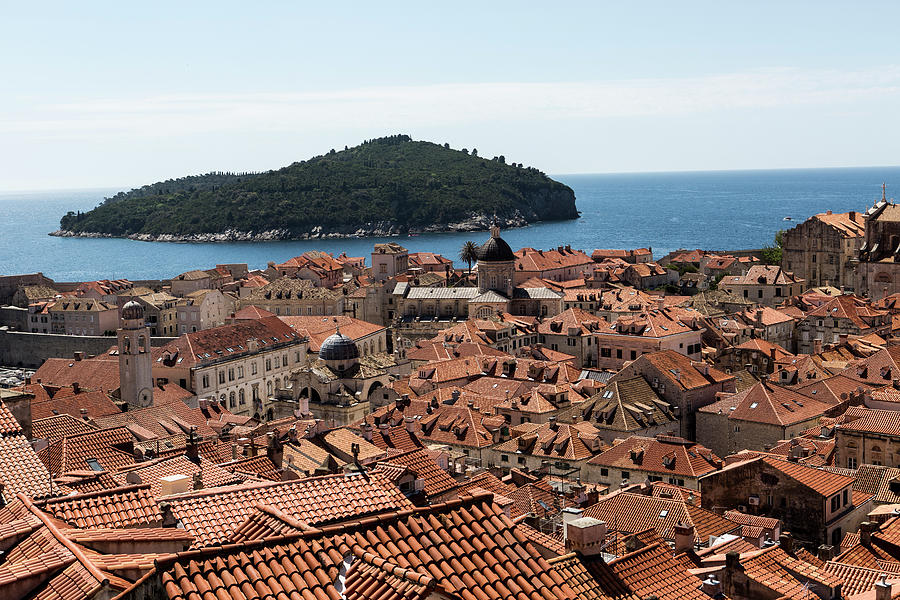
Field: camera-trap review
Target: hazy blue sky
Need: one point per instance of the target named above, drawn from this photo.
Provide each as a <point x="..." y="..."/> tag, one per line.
<point x="107" y="94"/>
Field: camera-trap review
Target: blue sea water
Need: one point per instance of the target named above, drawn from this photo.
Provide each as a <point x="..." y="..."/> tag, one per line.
<point x="712" y="210"/>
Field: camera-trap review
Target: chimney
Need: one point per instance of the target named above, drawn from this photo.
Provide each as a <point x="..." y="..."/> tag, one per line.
<point x="866" y="529"/>
<point x="586" y="536"/>
<point x="410" y="424"/>
<point x="772" y="353"/>
<point x="168" y="517"/>
<point x="852" y="215"/>
<point x="883" y="588"/>
<point x="826" y="552"/>
<point x="274" y="448"/>
<point x="173" y="484"/>
<point x="711" y="586"/>
<point x="198" y="480"/>
<point x="75" y="387"/>
<point x="233" y="451"/>
<point x="84" y="414"/>
<point x="569" y="514"/>
<point x="367" y="432"/>
<point x="817" y="346"/>
<point x="553" y="424"/>
<point x="786" y="541"/>
<point x="79" y="356"/>
<point x="684" y="537"/>
<point x="203" y="403"/>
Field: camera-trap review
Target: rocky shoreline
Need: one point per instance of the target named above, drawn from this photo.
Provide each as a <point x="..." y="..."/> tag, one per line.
<point x="382" y="229"/>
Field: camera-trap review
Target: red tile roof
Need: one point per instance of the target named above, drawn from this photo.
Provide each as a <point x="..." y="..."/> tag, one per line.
<point x="112" y="448"/>
<point x="769" y="404"/>
<point x="59" y="426"/>
<point x="653" y="571"/>
<point x="818" y="480"/>
<point x="130" y="506"/>
<point x="211" y="515"/>
<point x="21" y="470"/>
<point x="465" y="548"/>
<point x="420" y="462"/>
<point x="663" y="454"/>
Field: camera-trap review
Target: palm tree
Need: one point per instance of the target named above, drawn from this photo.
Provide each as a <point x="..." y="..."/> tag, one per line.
<point x="469" y="254"/>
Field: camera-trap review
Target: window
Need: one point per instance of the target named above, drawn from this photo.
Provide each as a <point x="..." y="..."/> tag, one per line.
<point x="633" y="355"/>
<point x="240" y="372"/>
<point x="521" y="460"/>
<point x="604" y="472"/>
<point x="851" y="462"/>
<point x="231" y="400"/>
<point x="268" y="364"/>
<point x="205" y="382"/>
<point x="759" y="293"/>
<point x="94" y="464"/>
<point x="835" y="502"/>
<point x="253" y="368"/>
<point x="846" y="497"/>
<point x="504" y="458"/>
<point x="230" y="374"/>
<point x="284" y="360"/>
<point x="221" y="377"/>
<point x="625" y="474"/>
<point x="605" y="352"/>
<point x="241" y="400"/>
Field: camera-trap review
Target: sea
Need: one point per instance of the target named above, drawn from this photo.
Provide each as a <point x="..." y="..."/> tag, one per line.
<point x="720" y="210"/>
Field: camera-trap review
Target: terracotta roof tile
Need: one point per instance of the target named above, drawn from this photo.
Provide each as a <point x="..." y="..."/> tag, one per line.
<point x="211" y="515"/>
<point x="662" y="454"/>
<point x="22" y="471"/>
<point x="59" y="426"/>
<point x="110" y="448"/>
<point x="131" y="506"/>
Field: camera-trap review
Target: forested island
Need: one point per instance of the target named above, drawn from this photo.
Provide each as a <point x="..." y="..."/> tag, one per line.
<point x="385" y="186"/>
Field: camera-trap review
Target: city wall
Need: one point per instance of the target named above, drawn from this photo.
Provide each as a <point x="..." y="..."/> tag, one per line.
<point x="24" y="349"/>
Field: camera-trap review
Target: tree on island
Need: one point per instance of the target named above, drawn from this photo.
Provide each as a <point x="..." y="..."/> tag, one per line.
<point x="469" y="254"/>
<point x="771" y="255"/>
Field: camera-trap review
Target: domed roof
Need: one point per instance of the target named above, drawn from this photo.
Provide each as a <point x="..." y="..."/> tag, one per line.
<point x="338" y="347"/>
<point x="132" y="310"/>
<point x="495" y="249"/>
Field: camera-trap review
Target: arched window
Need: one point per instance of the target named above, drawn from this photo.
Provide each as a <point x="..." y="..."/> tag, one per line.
<point x="877" y="455"/>
<point x="143" y="344"/>
<point x="241" y="399"/>
<point x="269" y="389"/>
<point x="231" y="400"/>
<point x="278" y="383"/>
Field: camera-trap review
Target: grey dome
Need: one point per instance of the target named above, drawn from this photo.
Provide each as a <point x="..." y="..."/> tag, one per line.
<point x="338" y="347"/>
<point x="132" y="310"/>
<point x="495" y="250"/>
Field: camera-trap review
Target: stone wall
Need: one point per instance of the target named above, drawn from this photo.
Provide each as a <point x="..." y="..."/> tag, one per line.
<point x="23" y="349"/>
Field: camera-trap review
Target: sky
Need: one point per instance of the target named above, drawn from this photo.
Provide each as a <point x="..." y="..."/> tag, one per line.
<point x="122" y="94"/>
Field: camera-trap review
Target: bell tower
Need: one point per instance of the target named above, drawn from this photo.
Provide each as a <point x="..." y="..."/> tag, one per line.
<point x="135" y="364"/>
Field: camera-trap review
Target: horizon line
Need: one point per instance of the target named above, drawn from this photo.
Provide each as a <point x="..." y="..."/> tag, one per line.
<point x="583" y="173"/>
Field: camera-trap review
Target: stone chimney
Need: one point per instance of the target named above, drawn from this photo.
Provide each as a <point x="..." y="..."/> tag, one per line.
<point x="168" y="517"/>
<point x="883" y="588"/>
<point x="367" y="432"/>
<point x="198" y="480"/>
<point x="866" y="529"/>
<point x="684" y="537"/>
<point x="75" y="387"/>
<point x="786" y="541"/>
<point x="826" y="552"/>
<point x="410" y="423"/>
<point x="586" y="536"/>
<point x="569" y="514"/>
<point x="274" y="448"/>
<point x="711" y="586"/>
<point x="84" y="414"/>
<point x="817" y="346"/>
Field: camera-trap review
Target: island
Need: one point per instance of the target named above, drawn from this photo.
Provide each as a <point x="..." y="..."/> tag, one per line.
<point x="386" y="186"/>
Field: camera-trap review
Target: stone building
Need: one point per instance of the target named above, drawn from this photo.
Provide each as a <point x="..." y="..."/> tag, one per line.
<point x="756" y="418"/>
<point x="83" y="316"/>
<point x="684" y="383"/>
<point x="202" y="309"/>
<point x="816" y="506"/>
<point x="837" y="318"/>
<point x="867" y="436"/>
<point x="764" y="284"/>
<point x="288" y="296"/>
<point x="662" y="458"/>
<point x="560" y="264"/>
<point x="240" y="365"/>
<point x="823" y="249"/>
<point x="341" y="386"/>
<point x="878" y="273"/>
<point x="389" y="260"/>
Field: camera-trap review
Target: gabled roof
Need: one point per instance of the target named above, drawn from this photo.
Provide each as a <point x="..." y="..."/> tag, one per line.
<point x="662" y="454"/>
<point x="129" y="506"/>
<point x="464" y="548"/>
<point x="817" y="480"/>
<point x="625" y="405"/>
<point x="211" y="515"/>
<point x="653" y="571"/>
<point x="680" y="370"/>
<point x="21" y="470"/>
<point x="629" y="512"/>
<point x="769" y="404"/>
<point x="110" y="448"/>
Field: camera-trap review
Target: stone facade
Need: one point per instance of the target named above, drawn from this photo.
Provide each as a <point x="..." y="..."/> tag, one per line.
<point x="823" y="249"/>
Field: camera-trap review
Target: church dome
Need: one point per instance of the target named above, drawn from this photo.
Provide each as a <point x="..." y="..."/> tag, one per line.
<point x="132" y="310"/>
<point x="495" y="249"/>
<point x="338" y="347"/>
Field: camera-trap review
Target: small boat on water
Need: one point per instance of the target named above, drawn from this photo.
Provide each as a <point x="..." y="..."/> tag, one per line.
<point x="787" y="219"/>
